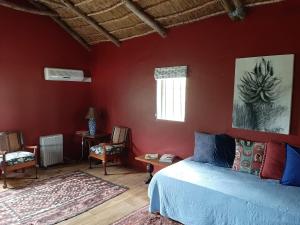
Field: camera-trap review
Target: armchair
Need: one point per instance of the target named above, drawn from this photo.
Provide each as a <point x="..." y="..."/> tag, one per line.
<point x="14" y="155"/>
<point x="111" y="151"/>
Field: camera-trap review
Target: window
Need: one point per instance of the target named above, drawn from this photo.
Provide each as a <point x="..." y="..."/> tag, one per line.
<point x="170" y="93"/>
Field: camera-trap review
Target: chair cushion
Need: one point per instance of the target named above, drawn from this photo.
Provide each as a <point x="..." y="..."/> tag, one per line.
<point x="110" y="149"/>
<point x="13" y="158"/>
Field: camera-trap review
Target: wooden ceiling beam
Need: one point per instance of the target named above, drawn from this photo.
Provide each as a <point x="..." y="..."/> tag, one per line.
<point x="51" y="2"/>
<point x="145" y="17"/>
<point x="228" y="8"/>
<point x="106" y="9"/>
<point x="235" y="11"/>
<point x="96" y="13"/>
<point x="83" y="2"/>
<point x="170" y="16"/>
<point x="239" y="9"/>
<point x="72" y="33"/>
<point x="110" y="8"/>
<point x="27" y="9"/>
<point x="91" y="22"/>
<point x="63" y="25"/>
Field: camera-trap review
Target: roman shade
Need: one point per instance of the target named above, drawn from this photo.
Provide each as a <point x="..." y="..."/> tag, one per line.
<point x="170" y="72"/>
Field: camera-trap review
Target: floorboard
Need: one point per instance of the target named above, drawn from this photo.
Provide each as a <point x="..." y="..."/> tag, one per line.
<point x="108" y="212"/>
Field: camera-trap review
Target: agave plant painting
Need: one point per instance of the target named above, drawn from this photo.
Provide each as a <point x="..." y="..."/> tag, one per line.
<point x="263" y="93"/>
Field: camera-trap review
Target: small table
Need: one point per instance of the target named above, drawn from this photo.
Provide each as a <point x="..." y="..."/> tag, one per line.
<point x="153" y="162"/>
<point x="91" y="140"/>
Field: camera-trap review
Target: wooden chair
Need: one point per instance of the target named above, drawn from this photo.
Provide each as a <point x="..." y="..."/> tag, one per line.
<point x="14" y="155"/>
<point x="111" y="151"/>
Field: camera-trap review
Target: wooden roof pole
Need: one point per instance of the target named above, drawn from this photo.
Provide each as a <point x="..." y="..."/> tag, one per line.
<point x="91" y="22"/>
<point x="239" y="9"/>
<point x="145" y="17"/>
<point x="235" y="13"/>
<point x="51" y="2"/>
<point x="27" y="9"/>
<point x="63" y="25"/>
<point x="228" y="8"/>
<point x="83" y="2"/>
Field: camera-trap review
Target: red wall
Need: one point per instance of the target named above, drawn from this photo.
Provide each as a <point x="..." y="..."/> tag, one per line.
<point x="28" y="43"/>
<point x="124" y="86"/>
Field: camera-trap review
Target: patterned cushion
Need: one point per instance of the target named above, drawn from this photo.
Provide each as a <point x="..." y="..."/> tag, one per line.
<point x="14" y="158"/>
<point x="248" y="156"/>
<point x="110" y="149"/>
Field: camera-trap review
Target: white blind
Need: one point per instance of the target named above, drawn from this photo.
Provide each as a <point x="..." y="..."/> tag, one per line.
<point x="170" y="93"/>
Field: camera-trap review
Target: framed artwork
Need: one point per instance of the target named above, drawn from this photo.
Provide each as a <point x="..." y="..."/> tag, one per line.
<point x="263" y="93"/>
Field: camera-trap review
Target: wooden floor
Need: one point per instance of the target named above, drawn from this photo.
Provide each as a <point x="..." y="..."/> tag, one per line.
<point x="109" y="211"/>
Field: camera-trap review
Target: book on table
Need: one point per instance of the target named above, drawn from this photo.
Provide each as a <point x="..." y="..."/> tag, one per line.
<point x="151" y="156"/>
<point x="167" y="158"/>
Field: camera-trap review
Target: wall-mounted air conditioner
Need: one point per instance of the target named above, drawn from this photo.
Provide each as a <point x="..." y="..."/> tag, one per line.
<point x="57" y="74"/>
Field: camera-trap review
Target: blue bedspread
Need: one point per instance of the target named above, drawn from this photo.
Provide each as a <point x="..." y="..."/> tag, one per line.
<point x="196" y="193"/>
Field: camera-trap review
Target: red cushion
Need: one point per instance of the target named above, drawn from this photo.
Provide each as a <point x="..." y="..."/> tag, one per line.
<point x="274" y="161"/>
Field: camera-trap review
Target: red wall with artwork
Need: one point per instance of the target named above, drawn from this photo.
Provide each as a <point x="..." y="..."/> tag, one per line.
<point x="124" y="87"/>
<point x="28" y="43"/>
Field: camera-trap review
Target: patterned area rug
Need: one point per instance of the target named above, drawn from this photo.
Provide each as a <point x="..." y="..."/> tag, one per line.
<point x="144" y="217"/>
<point x="55" y="199"/>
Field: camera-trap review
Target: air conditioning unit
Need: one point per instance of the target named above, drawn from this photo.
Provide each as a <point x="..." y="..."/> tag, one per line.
<point x="57" y="74"/>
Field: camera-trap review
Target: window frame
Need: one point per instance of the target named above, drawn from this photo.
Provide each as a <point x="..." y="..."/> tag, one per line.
<point x="183" y="107"/>
<point x="165" y="74"/>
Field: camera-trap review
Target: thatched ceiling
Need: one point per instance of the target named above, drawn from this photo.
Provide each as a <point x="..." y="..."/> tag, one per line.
<point x="120" y="22"/>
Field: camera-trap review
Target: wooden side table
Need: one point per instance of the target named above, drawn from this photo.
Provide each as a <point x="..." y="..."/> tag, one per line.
<point x="90" y="140"/>
<point x="154" y="162"/>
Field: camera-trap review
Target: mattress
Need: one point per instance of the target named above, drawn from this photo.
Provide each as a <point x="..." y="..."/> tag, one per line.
<point x="196" y="193"/>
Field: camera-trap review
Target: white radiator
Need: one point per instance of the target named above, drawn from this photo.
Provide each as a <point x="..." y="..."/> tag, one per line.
<point x="51" y="149"/>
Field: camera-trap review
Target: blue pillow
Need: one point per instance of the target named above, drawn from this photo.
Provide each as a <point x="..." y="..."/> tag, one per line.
<point x="291" y="174"/>
<point x="204" y="147"/>
<point x="218" y="150"/>
<point x="225" y="151"/>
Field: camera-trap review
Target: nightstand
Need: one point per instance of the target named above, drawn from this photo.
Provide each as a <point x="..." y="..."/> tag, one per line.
<point x="154" y="162"/>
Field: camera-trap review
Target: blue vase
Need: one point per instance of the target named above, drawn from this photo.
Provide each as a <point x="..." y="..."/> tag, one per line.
<point x="92" y="126"/>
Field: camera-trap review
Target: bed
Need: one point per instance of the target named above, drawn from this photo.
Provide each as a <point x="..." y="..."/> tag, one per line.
<point x="196" y="193"/>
